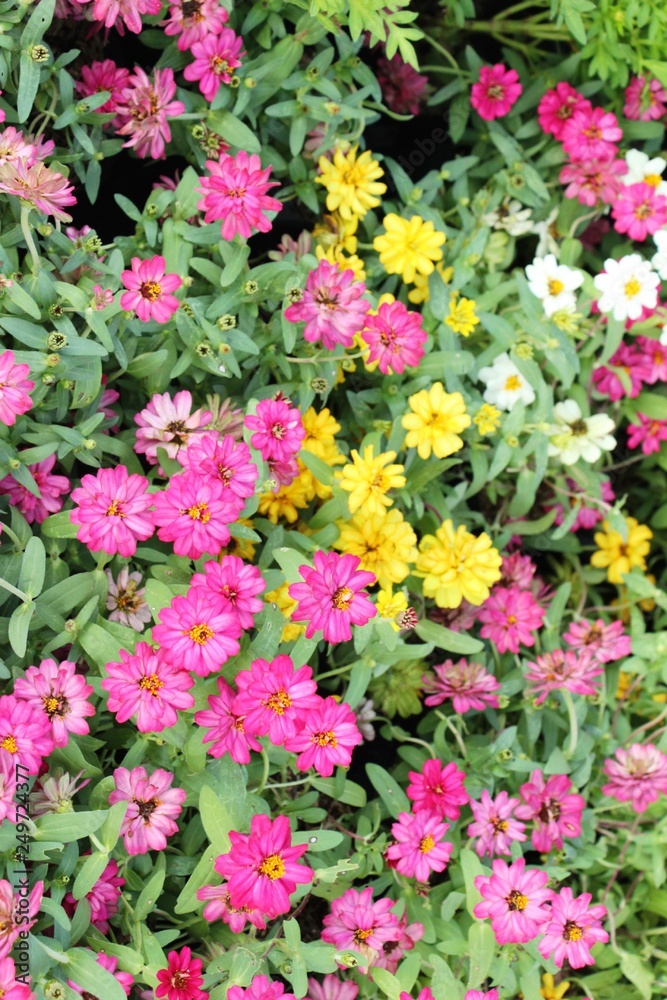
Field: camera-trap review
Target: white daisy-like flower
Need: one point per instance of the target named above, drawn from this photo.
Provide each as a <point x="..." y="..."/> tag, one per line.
<point x="642" y="169"/>
<point x="626" y="286"/>
<point x="511" y="216"/>
<point x="505" y="385"/>
<point x="573" y="436"/>
<point x="554" y="284"/>
<point x="659" y="260"/>
<point x="546" y="230"/>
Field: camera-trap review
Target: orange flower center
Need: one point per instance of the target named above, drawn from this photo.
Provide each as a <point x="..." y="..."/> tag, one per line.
<point x="341" y="598"/>
<point x="152" y="684"/>
<point x="278" y="702"/>
<point x="273" y="867"/>
<point x="200" y="634"/>
<point x="115" y="509"/>
<point x="150" y="290"/>
<point x="199" y="512"/>
<point x="9" y="744"/>
<point x="426" y="844"/>
<point x="327" y="739"/>
<point x="572" y="931"/>
<point x="516" y="901"/>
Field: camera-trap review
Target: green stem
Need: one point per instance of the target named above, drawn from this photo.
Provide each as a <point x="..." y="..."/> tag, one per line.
<point x="13" y="590"/>
<point x="334" y="673"/>
<point x="574" y="726"/>
<point x="27" y="235"/>
<point x="444" y="52"/>
<point x="550" y="31"/>
<point x="265" y="773"/>
<point x="6" y="530"/>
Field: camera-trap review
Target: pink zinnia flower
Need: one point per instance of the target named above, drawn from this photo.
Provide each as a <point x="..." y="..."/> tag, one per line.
<point x="635" y="365"/>
<point x="145" y="684"/>
<point x="25" y="732"/>
<point x="648" y="433"/>
<point x="495" y="824"/>
<point x="438" y="788"/>
<point x="593" y="180"/>
<point x="194" y="513"/>
<point x="237" y="583"/>
<point x="275" y="699"/>
<point x="562" y="670"/>
<point x="193" y="20"/>
<point x="14" y="389"/>
<point x="327" y="738"/>
<point x="359" y="923"/>
<point x="332" y="306"/>
<point x="10" y="987"/>
<point x="261" y="988"/>
<point x="149" y="290"/>
<point x="43" y="188"/>
<point x="216" y="57"/>
<point x="278" y="429"/>
<point x="13" y="146"/>
<point x="644" y="100"/>
<point x="182" y="979"/>
<point x="112" y="511"/>
<point x="103" y="297"/>
<point x="128" y="12"/>
<point x="37" y="509"/>
<point x="225" y="726"/>
<point x="235" y="191"/>
<point x="518" y="570"/>
<point x="224" y="459"/>
<point x="587" y="517"/>
<point x="262" y="867"/>
<point x="403" y="88"/>
<point x="655" y="354"/>
<point x="393" y="952"/>
<point x="557" y="106"/>
<point x="395" y="338"/>
<point x="514" y="901"/>
<point x="199" y="631"/>
<point x="219" y="907"/>
<point x="573" y="928"/>
<point x="591" y="134"/>
<point x="495" y="93"/>
<point x="103" y="898"/>
<point x="153" y="808"/>
<point x="511" y="617"/>
<point x="331" y="988"/>
<point x="555" y="811"/>
<point x="12" y="909"/>
<point x="419" y="848"/>
<point x="332" y="597"/>
<point x="604" y="643"/>
<point x="101" y="76"/>
<point x="145" y="106"/>
<point x="56" y="690"/>
<point x="638" y="775"/>
<point x="168" y="423"/>
<point x="110" y="963"/>
<point x="639" y="211"/>
<point x="469" y="685"/>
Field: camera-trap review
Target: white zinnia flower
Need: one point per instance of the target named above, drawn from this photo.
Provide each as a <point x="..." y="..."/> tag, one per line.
<point x="510" y="216"/>
<point x="546" y="231"/>
<point x="505" y="385"/>
<point x="574" y="436"/>
<point x="554" y="284"/>
<point x="626" y="286"/>
<point x="644" y="170"/>
<point x="659" y="260"/>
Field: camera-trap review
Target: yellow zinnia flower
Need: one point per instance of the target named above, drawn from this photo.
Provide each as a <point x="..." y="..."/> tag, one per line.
<point x="619" y="556"/>
<point x="462" y="318"/>
<point x="456" y="565"/>
<point x="389" y="605"/>
<point x="287" y="501"/>
<point x="436" y="420"/>
<point x="336" y="255"/>
<point x="368" y="481"/>
<point x="421" y="292"/>
<point x="409" y="246"/>
<point x="321" y="429"/>
<point x="385" y="544"/>
<point x="550" y="991"/>
<point x="487" y="419"/>
<point x="352" y="184"/>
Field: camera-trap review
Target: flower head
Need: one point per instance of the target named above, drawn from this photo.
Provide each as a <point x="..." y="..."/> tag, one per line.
<point x="352" y="182"/>
<point x="403" y="88"/>
<point x="198" y="630"/>
<point x="511" y="616"/>
<point x="278" y="429"/>
<point x="505" y="385"/>
<point x="487" y="419"/>
<point x="573" y="437"/>
<point x="145" y="106"/>
<point x="332" y="306"/>
<point x="15" y="389"/>
<point x="332" y="597"/>
<point x="235" y="191"/>
<point x="555" y="811"/>
<point x="103" y="898"/>
<point x="358" y="922"/>
<point x="225" y="726"/>
<point x="456" y="565"/>
<point x="194" y="513"/>
<point x="147" y="685"/>
<point x="626" y="286"/>
<point x="638" y="775"/>
<point x="327" y="737"/>
<point x="385" y="544"/>
<point x="436" y="420"/>
<point x="469" y="685"/>
<point x="591" y="133"/>
<point x="126" y="600"/>
<point x="216" y="57"/>
<point x="514" y="899"/>
<point x="557" y="106"/>
<point x="648" y="433"/>
<point x="168" y="423"/>
<point x="603" y="642"/>
<point x="15" y="916"/>
<point x="562" y="670"/>
<point x="621" y="553"/>
<point x="194" y="20"/>
<point x="409" y="246"/>
<point x="219" y="907"/>
<point x="495" y="824"/>
<point x="56" y="690"/>
<point x="368" y="479"/>
<point x="237" y="583"/>
<point x="496" y="91"/>
<point x="639" y="211"/>
<point x="112" y="511"/>
<point x="275" y="699"/>
<point x="149" y="293"/>
<point x="419" y="848"/>
<point x="182" y="979"/>
<point x="153" y="808"/>
<point x="573" y="928"/>
<point x="105" y="75"/>
<point x="51" y="488"/>
<point x="439" y="788"/>
<point x="553" y="283"/>
<point x="591" y="181"/>
<point x="261" y="988"/>
<point x="645" y="100"/>
<point x="39" y="186"/>
<point x="395" y="338"/>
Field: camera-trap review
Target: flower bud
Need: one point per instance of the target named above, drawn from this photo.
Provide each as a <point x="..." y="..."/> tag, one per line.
<point x="39" y="53"/>
<point x="250" y="287"/>
<point x="56" y="341"/>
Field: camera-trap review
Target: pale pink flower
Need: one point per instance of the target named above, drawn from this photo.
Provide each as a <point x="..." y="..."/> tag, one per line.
<point x="460" y="619"/>
<point x="102" y="297"/>
<point x="393" y="952"/>
<point x="13" y="146"/>
<point x="39" y="186"/>
<point x="395" y="338"/>
<point x="514" y="900"/>
<point x="225" y="459"/>
<point x="469" y="686"/>
<point x="511" y="617"/>
<point x="594" y="179"/>
<point x="149" y="290"/>
<point x="194" y="514"/>
<point x="51" y="488"/>
<point x="56" y="690"/>
<point x="573" y="928"/>
<point x="25" y="732"/>
<point x="358" y="923"/>
<point x="638" y="775"/>
<point x="495" y="824"/>
<point x="8" y="807"/>
<point x="123" y="13"/>
<point x="125" y="600"/>
<point x="261" y="988"/>
<point x="147" y="685"/>
<point x="299" y="246"/>
<point x="112" y="511"/>
<point x="10" y="987"/>
<point x="235" y="191"/>
<point x="587" y="516"/>
<point x="168" y="423"/>
<point x="639" y="211"/>
<point x="403" y="88"/>
<point x="15" y="389"/>
<point x="562" y="670"/>
<point x="419" y="848"/>
<point x="153" y="808"/>
<point x="15" y="916"/>
<point x="219" y="907"/>
<point x="237" y="583"/>
<point x="54" y="793"/>
<point x="552" y="808"/>
<point x="496" y="91"/>
<point x="110" y="963"/>
<point x="103" y="898"/>
<point x="331" y="988"/>
<point x="605" y="643"/>
<point x="101" y="76"/>
<point x="332" y="306"/>
<point x="439" y="788"/>
<point x="216" y="57"/>
<point x="644" y="100"/>
<point x="225" y="726"/>
<point x="327" y="737"/>
<point x="193" y="20"/>
<point x="145" y="106"/>
<point x="275" y="699"/>
<point x="332" y="598"/>
<point x="648" y="433"/>
<point x="517" y="570"/>
<point x="591" y="134"/>
<point x="557" y="106"/>
<point x="278" y="428"/>
<point x="198" y="630"/>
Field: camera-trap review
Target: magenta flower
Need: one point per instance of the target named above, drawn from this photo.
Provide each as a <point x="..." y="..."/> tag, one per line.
<point x="57" y="691"/>
<point x="224" y="459"/>
<point x="193" y="21"/>
<point x="496" y="91"/>
<point x="112" y="511"/>
<point x="359" y="923"/>
<point x="128" y="12"/>
<point x="182" y="979"/>
<point x="555" y="811"/>
<point x="153" y="808"/>
<point x="332" y="598"/>
<point x="216" y="57"/>
<point x="514" y="900"/>
<point x="655" y="368"/>
<point x="644" y="100"/>
<point x="8" y="808"/>
<point x="587" y="517"/>
<point x="419" y="848"/>
<point x="278" y="429"/>
<point x="149" y="290"/>
<point x="481" y="995"/>
<point x="573" y="928"/>
<point x="194" y="514"/>
<point x="110" y="963"/>
<point x="518" y="570"/>
<point x="103" y="898"/>
<point x="331" y="988"/>
<point x="235" y="191"/>
<point x="639" y="211"/>
<point x="638" y="775"/>
<point x="332" y="306"/>
<point x="438" y="788"/>
<point x="648" y="433"/>
<point x="591" y="134"/>
<point x="395" y="338"/>
<point x="145" y="107"/>
<point x="145" y="684"/>
<point x="198" y="631"/>
<point x="557" y="106"/>
<point x="593" y="180"/>
<point x="14" y="389"/>
<point x="403" y="88"/>
<point x="10" y="987"/>
<point x="262" y="867"/>
<point x="13" y="910"/>
<point x="237" y="583"/>
<point x="635" y="365"/>
<point x="327" y="738"/>
<point x="225" y="726"/>
<point x="495" y="824"/>
<point x="510" y="618"/>
<point x="101" y="76"/>
<point x="25" y="732"/>
<point x="39" y="186"/>
<point x="275" y="699"/>
<point x="219" y="907"/>
<point x="469" y="685"/>
<point x="51" y="488"/>
<point x="605" y="643"/>
<point x="169" y="423"/>
<point x="562" y="670"/>
<point x="261" y="988"/>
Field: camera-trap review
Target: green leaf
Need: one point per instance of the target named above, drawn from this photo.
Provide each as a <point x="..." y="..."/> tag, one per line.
<point x="323" y="473"/>
<point x="318" y="840"/>
<point x="236" y="133"/>
<point x="351" y="795"/>
<point x="19" y="623"/>
<point x="482" y="945"/>
<point x="216" y="820"/>
<point x="202" y="875"/>
<point x="66" y="827"/>
<point x="33" y="567"/>
<point x="111" y="828"/>
<point x="387" y="982"/>
<point x="388" y="789"/>
<point x="149" y="895"/>
<point x="59" y="526"/>
<point x="471" y="866"/>
<point x="444" y="638"/>
<point x="638" y="973"/>
<point x="38" y="23"/>
<point x="30" y="72"/>
<point x="89" y="873"/>
<point x="84" y="970"/>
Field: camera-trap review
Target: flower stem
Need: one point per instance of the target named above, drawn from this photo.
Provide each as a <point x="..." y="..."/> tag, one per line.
<point x="265" y="773"/>
<point x="574" y="725"/>
<point x="27" y="235"/>
<point x="13" y="590"/>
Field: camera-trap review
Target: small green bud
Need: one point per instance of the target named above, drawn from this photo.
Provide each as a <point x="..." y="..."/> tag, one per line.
<point x="226" y="322"/>
<point x="319" y="384"/>
<point x="39" y="53"/>
<point x="250" y="287"/>
<point x="53" y="360"/>
<point x="56" y="341"/>
<point x="90" y="444"/>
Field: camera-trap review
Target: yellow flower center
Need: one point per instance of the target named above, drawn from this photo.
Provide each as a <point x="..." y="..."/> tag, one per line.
<point x="572" y="931"/>
<point x="278" y="702"/>
<point x="341" y="598"/>
<point x="652" y="180"/>
<point x="361" y="935"/>
<point x="200" y="634"/>
<point x="273" y="867"/>
<point x="9" y="744"/>
<point x="152" y="684"/>
<point x="555" y="286"/>
<point x="150" y="290"/>
<point x="499" y="825"/>
<point x="115" y="509"/>
<point x="516" y="901"/>
<point x="199" y="512"/>
<point x="632" y="288"/>
<point x="426" y="844"/>
<point x="513" y="383"/>
<point x="511" y="619"/>
<point x="327" y="739"/>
